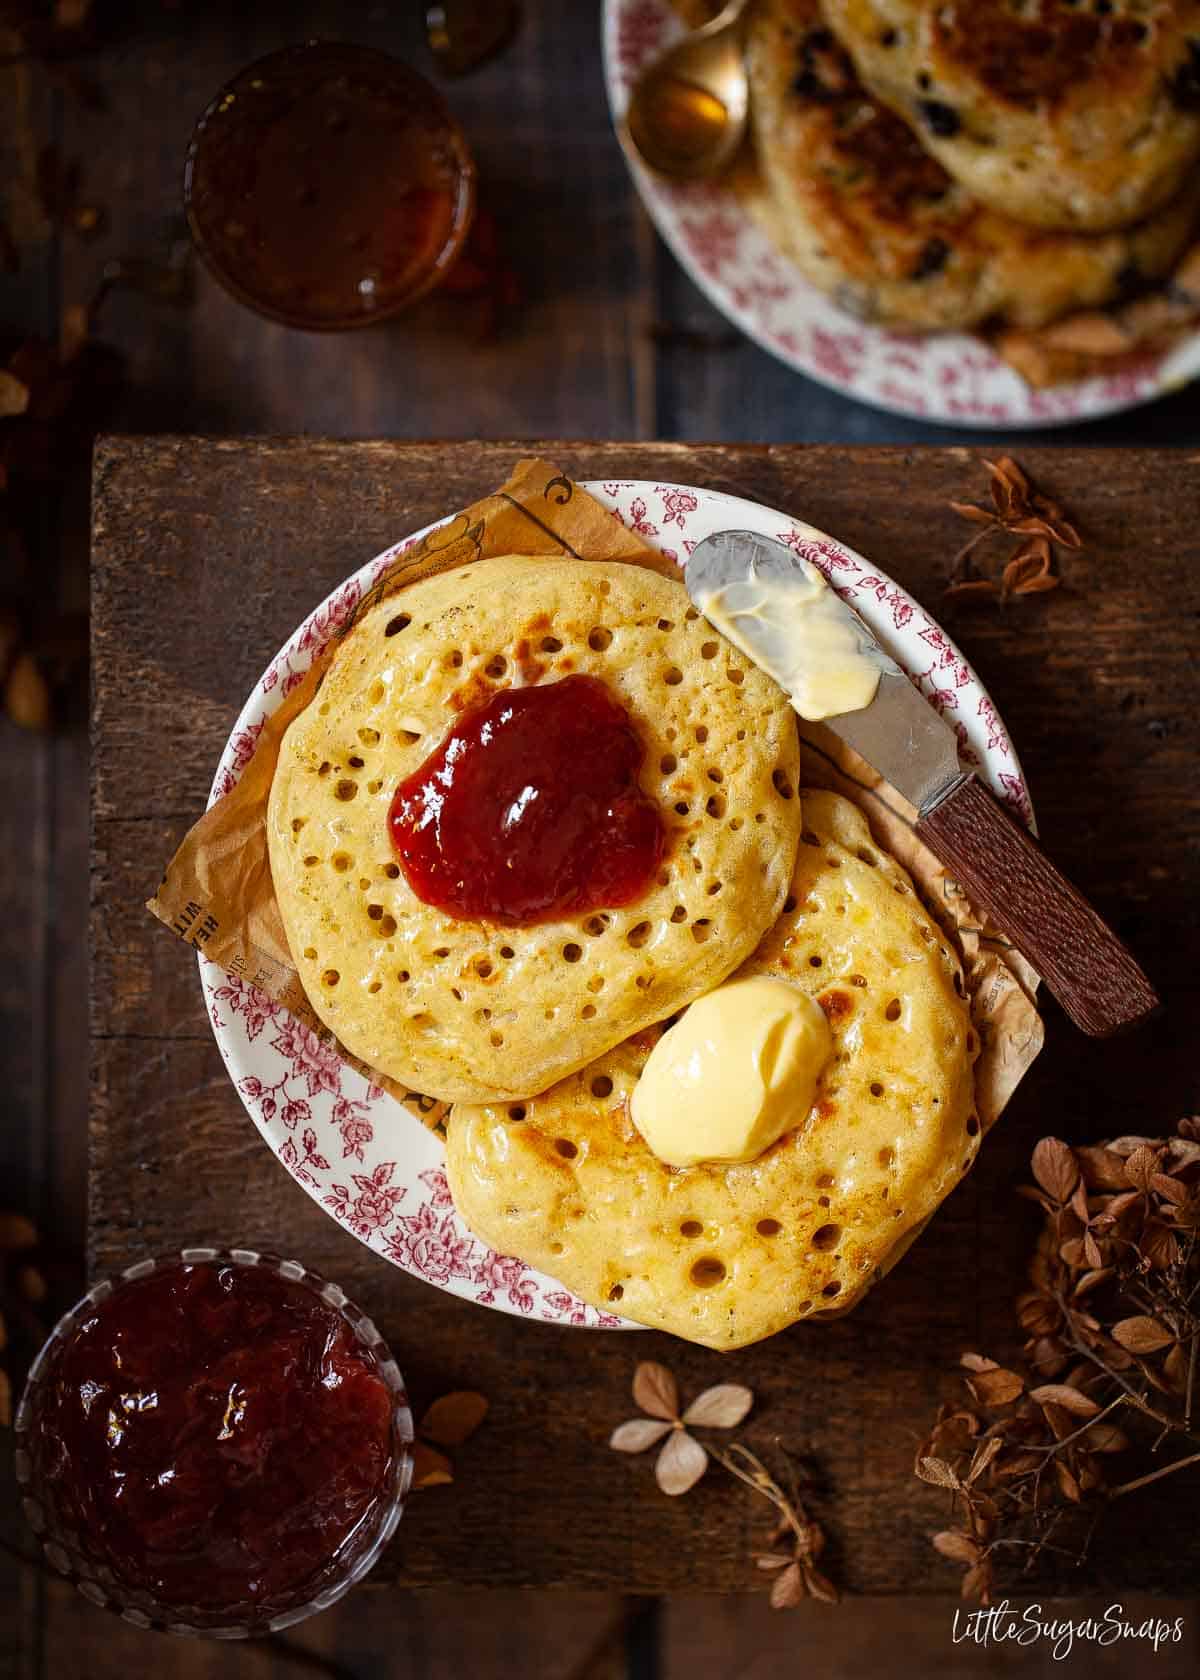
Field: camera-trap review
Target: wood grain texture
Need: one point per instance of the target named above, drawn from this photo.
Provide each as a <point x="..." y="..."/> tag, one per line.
<point x="207" y="554"/>
<point x="1093" y="975"/>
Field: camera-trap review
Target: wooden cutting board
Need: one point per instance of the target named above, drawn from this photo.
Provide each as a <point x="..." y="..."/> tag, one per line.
<point x="206" y="556"/>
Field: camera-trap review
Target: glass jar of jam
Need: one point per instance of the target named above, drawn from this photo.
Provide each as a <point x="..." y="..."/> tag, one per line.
<point x="217" y="1442"/>
<point x="328" y="186"/>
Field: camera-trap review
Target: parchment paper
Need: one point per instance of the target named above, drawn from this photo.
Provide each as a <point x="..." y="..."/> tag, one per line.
<point x="217" y="893"/>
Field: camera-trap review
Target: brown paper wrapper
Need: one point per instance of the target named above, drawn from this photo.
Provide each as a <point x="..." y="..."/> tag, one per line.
<point x="217" y="893"/>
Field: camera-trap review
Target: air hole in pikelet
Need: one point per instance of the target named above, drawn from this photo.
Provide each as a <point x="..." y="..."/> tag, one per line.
<point x="782" y="784"/>
<point x="599" y="639"/>
<point x="768" y="1227"/>
<point x="602" y="1086"/>
<point x="346" y="790"/>
<point x="709" y="650"/>
<point x="616" y="1292"/>
<point x="893" y="1011"/>
<point x="672" y="676"/>
<point x="701" y="733"/>
<point x="867" y="857"/>
<point x="691" y="1228"/>
<point x="588" y="1012"/>
<point x="715" y="805"/>
<point x="637" y="936"/>
<point x="551" y="644"/>
<point x="827" y="1237"/>
<point x="342" y="862"/>
<point x="566" y="1148"/>
<point x="375" y="986"/>
<point x="668" y="764"/>
<point x="832" y="1289"/>
<point x="330" y="977"/>
<point x="708" y="1272"/>
<point x="736" y="676"/>
<point x="517" y="1111"/>
<point x="972" y="1125"/>
<point x="355" y="762"/>
<point x="496" y="666"/>
<point x="310" y="953"/>
<point x="394" y="626"/>
<point x="876" y="1089"/>
<point x="886" y="1156"/>
<point x="369" y="737"/>
<point x="298" y="823"/>
<point x="572" y="953"/>
<point x="595" y="926"/>
<point x="507" y="952"/>
<point x="701" y="930"/>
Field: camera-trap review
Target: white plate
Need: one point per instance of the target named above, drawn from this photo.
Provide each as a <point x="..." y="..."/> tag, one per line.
<point x="949" y="377"/>
<point x="369" y="1163"/>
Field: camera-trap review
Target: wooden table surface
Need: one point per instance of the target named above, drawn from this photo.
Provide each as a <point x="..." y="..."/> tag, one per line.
<point x="206" y="555"/>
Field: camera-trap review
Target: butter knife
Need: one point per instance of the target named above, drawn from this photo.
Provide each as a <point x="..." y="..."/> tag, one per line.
<point x="999" y="865"/>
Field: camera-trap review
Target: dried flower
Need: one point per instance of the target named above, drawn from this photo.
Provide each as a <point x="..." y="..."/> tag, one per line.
<point x="1113" y="1332"/>
<point x="1017" y="510"/>
<point x="448" y="1422"/>
<point x="682" y="1460"/>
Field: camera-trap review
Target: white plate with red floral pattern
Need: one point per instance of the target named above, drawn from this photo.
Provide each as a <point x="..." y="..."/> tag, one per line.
<point x="362" y="1157"/>
<point x="952" y="378"/>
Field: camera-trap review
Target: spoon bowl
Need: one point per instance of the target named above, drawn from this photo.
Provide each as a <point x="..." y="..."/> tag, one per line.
<point x="687" y="113"/>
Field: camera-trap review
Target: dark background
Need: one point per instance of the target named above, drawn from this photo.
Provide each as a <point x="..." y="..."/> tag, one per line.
<point x="609" y="340"/>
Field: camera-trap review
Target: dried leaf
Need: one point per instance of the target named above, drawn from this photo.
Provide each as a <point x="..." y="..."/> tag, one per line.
<point x="1169" y="1187"/>
<point x="1141" y="1167"/>
<point x="1159" y="1246"/>
<point x="1092" y="1280"/>
<point x="1091" y="1252"/>
<point x="721" y="1407"/>
<point x="1055" y="1168"/>
<point x="14" y="395"/>
<point x="937" y="1471"/>
<point x="977" y="1582"/>
<point x="772" y="1560"/>
<point x="638" y="1434"/>
<point x="1102" y="1169"/>
<point x="1063" y="1394"/>
<point x="430" y="1467"/>
<point x="454" y="1418"/>
<point x="1036" y="585"/>
<point x="959" y="1547"/>
<point x="996" y="1388"/>
<point x="1067" y="1482"/>
<point x="968" y="510"/>
<point x="983" y="1457"/>
<point x="788" y="1588"/>
<point x="656" y="1391"/>
<point x="1105" y="1437"/>
<point x="819" y="1586"/>
<point x="1142" y="1334"/>
<point x="971" y="588"/>
<point x="680" y="1464"/>
<point x="977" y="1362"/>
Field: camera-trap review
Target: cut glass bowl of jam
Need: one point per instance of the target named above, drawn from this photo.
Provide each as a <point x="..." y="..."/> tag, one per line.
<point x="216" y="1443"/>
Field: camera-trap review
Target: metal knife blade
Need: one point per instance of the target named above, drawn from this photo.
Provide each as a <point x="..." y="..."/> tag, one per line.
<point x="899" y="733"/>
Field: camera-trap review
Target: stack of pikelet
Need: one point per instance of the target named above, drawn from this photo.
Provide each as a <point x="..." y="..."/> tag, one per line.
<point x="537" y="1033"/>
<point x="1032" y="170"/>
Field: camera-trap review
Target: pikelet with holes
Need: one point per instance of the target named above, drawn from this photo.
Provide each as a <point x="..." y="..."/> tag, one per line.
<point x="536" y="806"/>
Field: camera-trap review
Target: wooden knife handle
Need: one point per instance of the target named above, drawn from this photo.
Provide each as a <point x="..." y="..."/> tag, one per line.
<point x="1003" y="870"/>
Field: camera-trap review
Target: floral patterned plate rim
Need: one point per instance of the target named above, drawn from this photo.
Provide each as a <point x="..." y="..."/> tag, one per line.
<point x="951" y="378"/>
<point x="362" y="1157"/>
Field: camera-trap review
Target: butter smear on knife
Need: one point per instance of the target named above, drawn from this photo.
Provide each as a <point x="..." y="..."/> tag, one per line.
<point x="792" y="625"/>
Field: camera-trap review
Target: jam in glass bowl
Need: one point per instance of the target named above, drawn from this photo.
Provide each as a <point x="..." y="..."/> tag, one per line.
<point x="216" y="1442"/>
<point x="328" y="186"/>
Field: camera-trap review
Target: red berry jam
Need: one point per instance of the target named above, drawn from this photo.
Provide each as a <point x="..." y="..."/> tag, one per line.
<point x="531" y="809"/>
<point x="215" y="1434"/>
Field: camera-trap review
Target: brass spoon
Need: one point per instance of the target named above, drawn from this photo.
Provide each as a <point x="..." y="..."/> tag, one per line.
<point x="687" y="112"/>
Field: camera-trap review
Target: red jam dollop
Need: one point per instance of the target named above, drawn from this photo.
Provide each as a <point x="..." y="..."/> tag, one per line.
<point x="530" y="809"/>
<point x="214" y="1433"/>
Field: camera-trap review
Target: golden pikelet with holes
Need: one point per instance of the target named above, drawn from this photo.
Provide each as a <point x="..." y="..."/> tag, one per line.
<point x="473" y="1011"/>
<point x="727" y="1254"/>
